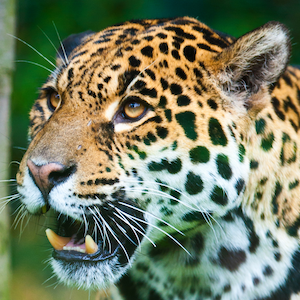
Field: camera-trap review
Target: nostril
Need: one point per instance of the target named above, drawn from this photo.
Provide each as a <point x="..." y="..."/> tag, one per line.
<point x="57" y="177"/>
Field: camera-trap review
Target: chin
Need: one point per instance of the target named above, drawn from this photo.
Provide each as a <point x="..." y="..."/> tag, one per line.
<point x="87" y="275"/>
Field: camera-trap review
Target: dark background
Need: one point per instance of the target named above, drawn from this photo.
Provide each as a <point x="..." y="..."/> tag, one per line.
<point x="34" y="17"/>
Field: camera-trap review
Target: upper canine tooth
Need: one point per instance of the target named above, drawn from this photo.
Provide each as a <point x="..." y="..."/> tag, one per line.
<point x="57" y="242"/>
<point x="90" y="245"/>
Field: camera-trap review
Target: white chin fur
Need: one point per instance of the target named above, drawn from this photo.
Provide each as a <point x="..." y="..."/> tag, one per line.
<point x="92" y="276"/>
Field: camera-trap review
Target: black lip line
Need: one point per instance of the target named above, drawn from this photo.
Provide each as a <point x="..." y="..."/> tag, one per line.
<point x="75" y="256"/>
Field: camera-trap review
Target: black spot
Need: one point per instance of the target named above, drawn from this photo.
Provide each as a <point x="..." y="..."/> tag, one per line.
<point x="260" y="126"/>
<point x="149" y="92"/>
<point x="147" y="51"/>
<point x="199" y="154"/>
<point x="267" y="143"/>
<point x="163" y="47"/>
<point x="151" y="137"/>
<point x="162" y="36"/>
<point x="212" y="104"/>
<point x="168" y="114"/>
<point x="219" y="196"/>
<point x="293" y="229"/>
<point x="166" y="211"/>
<point x="227" y="288"/>
<point x="70" y="74"/>
<point x="183" y="100"/>
<point x="139" y="85"/>
<point x="189" y="53"/>
<point x="205" y="47"/>
<point x="115" y="67"/>
<point x="180" y="73"/>
<point x="278" y="189"/>
<point x="194" y="216"/>
<point x="231" y="259"/>
<point x="293" y="184"/>
<point x="198" y="73"/>
<point x="91" y="93"/>
<point x="253" y="164"/>
<point x="148" y="38"/>
<point x="174" y="166"/>
<point x="175" y="54"/>
<point x="276" y="104"/>
<point x="239" y="186"/>
<point x="208" y="35"/>
<point x="254" y="241"/>
<point x="134" y="62"/>
<point x="197" y="243"/>
<point x="242" y="152"/>
<point x="224" y="169"/>
<point x="162" y="102"/>
<point x="162" y="132"/>
<point x="175" y="89"/>
<point x="164" y="84"/>
<point x="216" y="132"/>
<point x="107" y="79"/>
<point x="193" y="184"/>
<point x="268" y="271"/>
<point x="277" y="256"/>
<point x="176" y="195"/>
<point x="180" y="32"/>
<point x="256" y="281"/>
<point x="287" y="79"/>
<point x="187" y="121"/>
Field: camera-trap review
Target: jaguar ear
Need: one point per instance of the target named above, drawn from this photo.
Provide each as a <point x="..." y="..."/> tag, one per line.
<point x="69" y="44"/>
<point x="254" y="61"/>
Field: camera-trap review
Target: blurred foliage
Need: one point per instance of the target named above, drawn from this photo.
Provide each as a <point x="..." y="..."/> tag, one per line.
<point x="35" y="24"/>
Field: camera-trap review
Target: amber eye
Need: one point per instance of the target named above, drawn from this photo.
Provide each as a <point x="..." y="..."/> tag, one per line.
<point x="134" y="109"/>
<point x="53" y="100"/>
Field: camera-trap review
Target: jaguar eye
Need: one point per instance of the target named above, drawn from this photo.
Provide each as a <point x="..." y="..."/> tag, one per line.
<point x="134" y="109"/>
<point x="53" y="100"/>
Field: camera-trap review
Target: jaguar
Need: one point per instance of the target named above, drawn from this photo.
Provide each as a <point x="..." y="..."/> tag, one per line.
<point x="168" y="153"/>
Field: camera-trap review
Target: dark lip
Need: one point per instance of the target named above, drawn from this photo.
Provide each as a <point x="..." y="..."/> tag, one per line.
<point x="75" y="256"/>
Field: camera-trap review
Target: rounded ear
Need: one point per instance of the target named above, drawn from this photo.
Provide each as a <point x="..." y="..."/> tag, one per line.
<point x="69" y="44"/>
<point x="254" y="61"/>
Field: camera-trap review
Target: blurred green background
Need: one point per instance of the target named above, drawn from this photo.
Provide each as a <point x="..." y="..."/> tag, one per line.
<point x="236" y="17"/>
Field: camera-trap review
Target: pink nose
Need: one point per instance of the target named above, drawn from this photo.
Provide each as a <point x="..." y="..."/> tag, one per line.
<point x="48" y="175"/>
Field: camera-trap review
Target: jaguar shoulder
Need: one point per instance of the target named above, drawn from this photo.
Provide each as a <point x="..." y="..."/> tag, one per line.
<point x="170" y="154"/>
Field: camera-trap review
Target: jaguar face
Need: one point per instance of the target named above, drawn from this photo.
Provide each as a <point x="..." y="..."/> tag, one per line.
<point x="138" y="135"/>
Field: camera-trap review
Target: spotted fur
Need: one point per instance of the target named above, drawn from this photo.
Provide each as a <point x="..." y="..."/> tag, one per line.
<point x="211" y="166"/>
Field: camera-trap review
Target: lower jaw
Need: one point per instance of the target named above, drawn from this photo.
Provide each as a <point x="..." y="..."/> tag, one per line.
<point x="90" y="275"/>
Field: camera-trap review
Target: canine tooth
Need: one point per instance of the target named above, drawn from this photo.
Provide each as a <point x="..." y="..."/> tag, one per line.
<point x="57" y="242"/>
<point x="90" y="245"/>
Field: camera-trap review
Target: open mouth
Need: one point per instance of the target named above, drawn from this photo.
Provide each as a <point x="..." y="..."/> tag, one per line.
<point x="105" y="232"/>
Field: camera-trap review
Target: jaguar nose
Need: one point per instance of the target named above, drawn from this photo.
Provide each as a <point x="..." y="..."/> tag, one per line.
<point x="49" y="175"/>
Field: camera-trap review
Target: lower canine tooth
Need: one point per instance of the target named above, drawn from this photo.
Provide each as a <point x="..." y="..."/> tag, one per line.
<point x="57" y="242"/>
<point x="90" y="246"/>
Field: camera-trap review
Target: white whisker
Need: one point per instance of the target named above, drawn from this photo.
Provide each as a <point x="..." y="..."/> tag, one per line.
<point x="134" y="229"/>
<point x="56" y="50"/>
<point x="62" y="46"/>
<point x="35" y="50"/>
<point x="159" y="229"/>
<point x="115" y="237"/>
<point x="33" y="63"/>
<point x="155" y="217"/>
